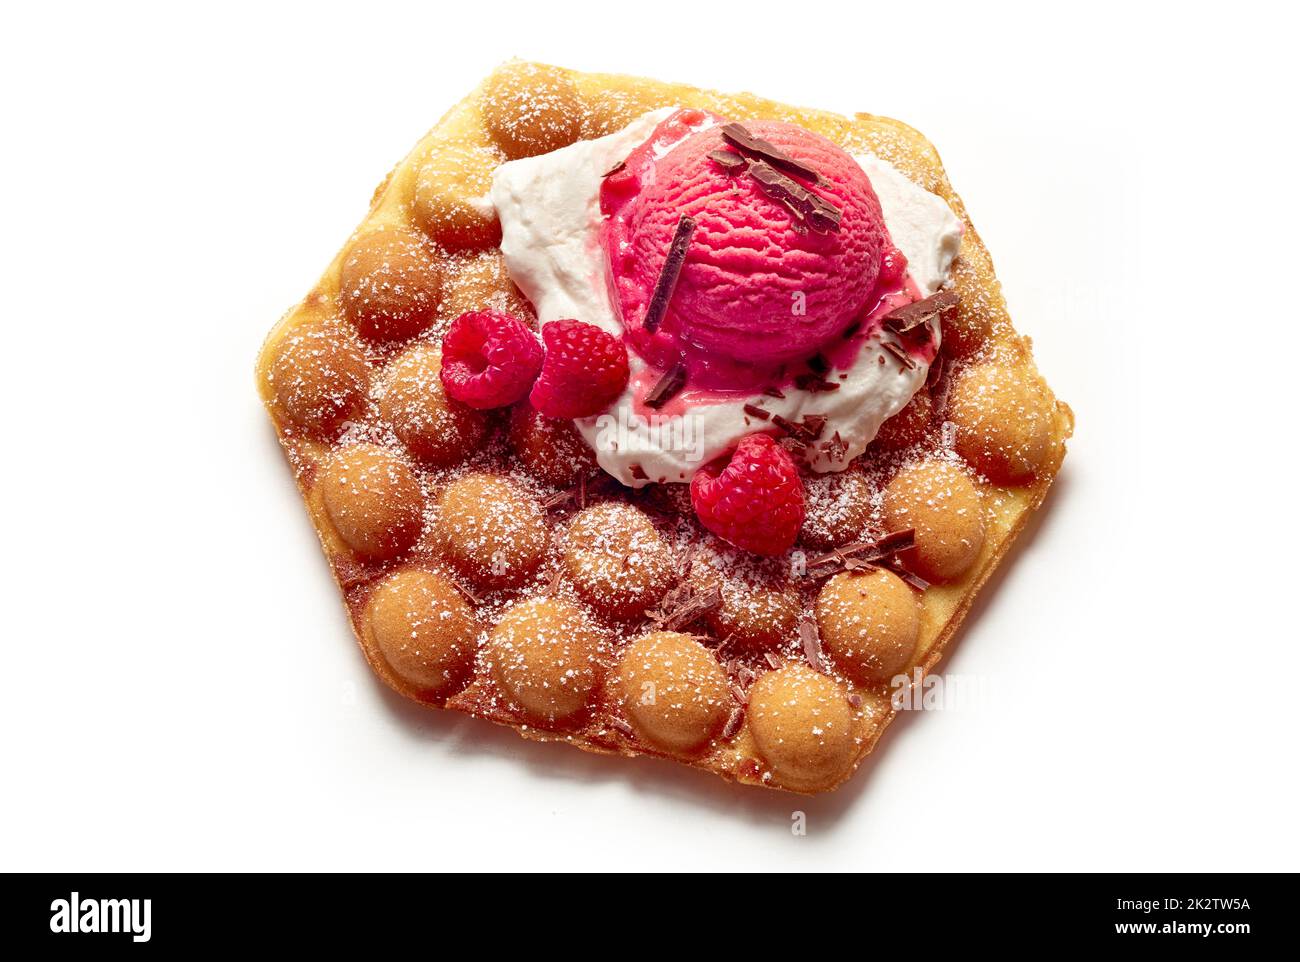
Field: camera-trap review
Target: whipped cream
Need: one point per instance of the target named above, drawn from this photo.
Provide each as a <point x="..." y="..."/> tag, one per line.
<point x="549" y="208"/>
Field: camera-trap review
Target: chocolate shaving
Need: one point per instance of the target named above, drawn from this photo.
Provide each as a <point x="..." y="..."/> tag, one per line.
<point x="812" y="643"/>
<point x="559" y="498"/>
<point x="835" y="448"/>
<point x="668" y="274"/>
<point x="685" y="604"/>
<point x="815" y="423"/>
<point x="756" y="412"/>
<point x="734" y="721"/>
<point x="745" y="675"/>
<point x="895" y="541"/>
<point x="771" y="659"/>
<point x="737" y="693"/>
<point x="614" y="170"/>
<point x="850" y="565"/>
<point x="815" y="383"/>
<point x="669" y="385"/>
<point x="744" y="141"/>
<point x="936" y="372"/>
<point x="670" y="602"/>
<point x="773" y="392"/>
<point x="912" y="315"/>
<point x="796" y="431"/>
<point x="578" y="493"/>
<point x="638" y="472"/>
<point x="553" y="585"/>
<point x="621" y="726"/>
<point x="916" y="581"/>
<point x="472" y="598"/>
<point x="806" y="206"/>
<point x="699" y="604"/>
<point x="900" y="355"/>
<point x="836" y="554"/>
<point x="731" y="163"/>
<point x="796" y="447"/>
<point x="861" y="555"/>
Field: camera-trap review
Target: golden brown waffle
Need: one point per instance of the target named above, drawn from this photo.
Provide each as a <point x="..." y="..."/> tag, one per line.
<point x="489" y="568"/>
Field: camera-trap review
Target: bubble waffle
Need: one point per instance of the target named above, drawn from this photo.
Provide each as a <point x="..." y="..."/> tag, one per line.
<point x="489" y="568"/>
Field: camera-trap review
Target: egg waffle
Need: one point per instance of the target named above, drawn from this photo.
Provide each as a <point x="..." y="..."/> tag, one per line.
<point x="489" y="568"/>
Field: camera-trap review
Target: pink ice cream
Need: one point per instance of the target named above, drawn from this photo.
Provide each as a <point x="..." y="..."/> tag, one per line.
<point x="756" y="288"/>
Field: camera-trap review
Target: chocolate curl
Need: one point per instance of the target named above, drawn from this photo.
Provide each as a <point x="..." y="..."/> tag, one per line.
<point x="668" y="274"/>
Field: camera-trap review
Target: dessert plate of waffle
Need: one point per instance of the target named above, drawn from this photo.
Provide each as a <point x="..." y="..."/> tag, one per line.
<point x="663" y="422"/>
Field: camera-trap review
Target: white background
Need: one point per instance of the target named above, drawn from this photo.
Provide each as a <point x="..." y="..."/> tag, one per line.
<point x="180" y="687"/>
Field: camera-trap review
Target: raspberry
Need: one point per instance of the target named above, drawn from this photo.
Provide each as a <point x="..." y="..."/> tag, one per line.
<point x="584" y="371"/>
<point x="755" y="501"/>
<point x="892" y="268"/>
<point x="489" y="359"/>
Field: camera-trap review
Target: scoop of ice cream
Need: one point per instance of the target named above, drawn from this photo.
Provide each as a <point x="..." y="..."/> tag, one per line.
<point x="757" y="286"/>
